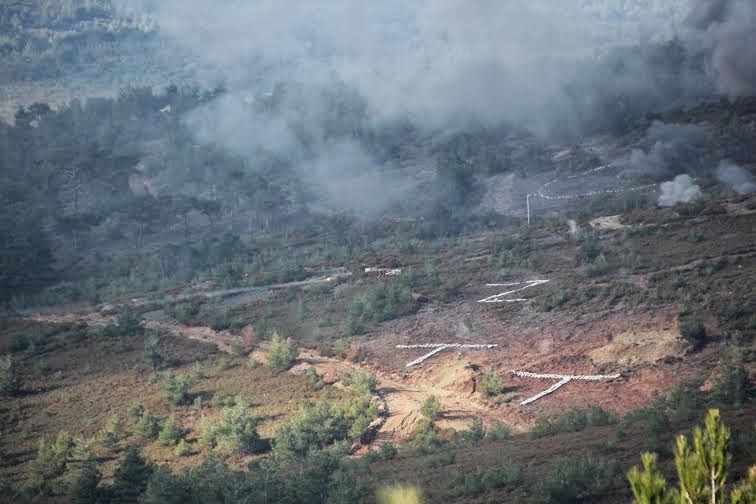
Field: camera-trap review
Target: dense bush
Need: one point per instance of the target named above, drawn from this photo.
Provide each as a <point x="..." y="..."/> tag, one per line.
<point x="734" y="385"/>
<point x="387" y="451"/>
<point x="692" y="330"/>
<point x="151" y="356"/>
<point x="318" y="425"/>
<point x="112" y="433"/>
<point x="655" y="422"/>
<point x="486" y="479"/>
<point x="129" y="322"/>
<point x="147" y="426"/>
<point x="176" y="389"/>
<point x="492" y="384"/>
<point x="554" y="301"/>
<point x="573" y="480"/>
<point x="599" y="266"/>
<point x="10" y="382"/>
<point x="183" y="312"/>
<point x="50" y="462"/>
<point x="170" y="432"/>
<point x="235" y="431"/>
<point x="431" y="408"/>
<point x="383" y="301"/>
<point x="362" y="383"/>
<point x="281" y="352"/>
<point x="498" y="432"/>
<point x="440" y="459"/>
<point x="573" y="421"/>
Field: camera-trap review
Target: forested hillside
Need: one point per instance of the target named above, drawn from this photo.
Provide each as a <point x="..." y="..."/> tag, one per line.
<point x="405" y="251"/>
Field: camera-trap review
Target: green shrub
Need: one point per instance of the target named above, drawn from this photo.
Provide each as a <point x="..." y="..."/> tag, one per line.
<point x="388" y="451"/>
<point x="235" y="431"/>
<point x="197" y="372"/>
<point x="129" y="322"/>
<point x="693" y="331"/>
<point x="424" y="440"/>
<point x="450" y="289"/>
<point x="281" y="352"/>
<point x="599" y="267"/>
<point x="350" y="326"/>
<point x="431" y="271"/>
<point x="340" y="348"/>
<point x="225" y="363"/>
<point x="431" y="409"/>
<point x="220" y="321"/>
<point x="316" y="426"/>
<point x="554" y="301"/>
<point x="383" y="301"/>
<point x="576" y="480"/>
<point x="589" y="248"/>
<point x="170" y="433"/>
<point x="112" y="433"/>
<point x="655" y="421"/>
<point x="475" y="433"/>
<point x="573" y="421"/>
<point x="596" y="416"/>
<point x="176" y="389"/>
<point x="492" y="384"/>
<point x="10" y="382"/>
<point x="684" y="399"/>
<point x="486" y="479"/>
<point x="50" y="462"/>
<point x="183" y="312"/>
<point x="362" y="383"/>
<point x="134" y="413"/>
<point x="183" y="449"/>
<point x="440" y="459"/>
<point x="222" y="399"/>
<point x="371" y="456"/>
<point x="498" y="432"/>
<point x="148" y="426"/>
<point x="237" y="349"/>
<point x="312" y="376"/>
<point x="733" y="386"/>
<point x="152" y="358"/>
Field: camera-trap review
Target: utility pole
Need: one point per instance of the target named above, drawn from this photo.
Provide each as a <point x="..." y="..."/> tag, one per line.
<point x="527" y="204"/>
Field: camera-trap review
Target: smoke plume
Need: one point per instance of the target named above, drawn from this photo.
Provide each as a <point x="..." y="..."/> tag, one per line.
<point x="680" y="190"/>
<point x="730" y="27"/>
<point x="740" y="180"/>
<point x="559" y="69"/>
<point x="672" y="149"/>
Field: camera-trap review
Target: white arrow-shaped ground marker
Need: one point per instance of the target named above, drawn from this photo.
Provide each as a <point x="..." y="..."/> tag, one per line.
<point x="563" y="379"/>
<point x="438" y="347"/>
<point x="500" y="298"/>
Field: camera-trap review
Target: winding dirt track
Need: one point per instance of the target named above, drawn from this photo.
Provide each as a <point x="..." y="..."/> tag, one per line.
<point x="402" y="401"/>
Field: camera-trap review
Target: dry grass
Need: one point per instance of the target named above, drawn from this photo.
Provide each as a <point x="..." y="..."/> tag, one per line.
<point x="86" y="382"/>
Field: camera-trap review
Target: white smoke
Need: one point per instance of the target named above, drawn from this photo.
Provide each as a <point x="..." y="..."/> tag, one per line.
<point x="740" y="180"/>
<point x="680" y="190"/>
<point x="573" y="228"/>
<point x="673" y="147"/>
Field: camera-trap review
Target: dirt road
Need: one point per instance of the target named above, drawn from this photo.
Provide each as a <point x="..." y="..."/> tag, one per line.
<point x="402" y="399"/>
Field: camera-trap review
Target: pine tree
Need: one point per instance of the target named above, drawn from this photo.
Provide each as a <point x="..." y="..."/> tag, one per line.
<point x="84" y="475"/>
<point x="9" y="380"/>
<point x="702" y="472"/>
<point x="649" y="486"/>
<point x="130" y="478"/>
<point x="151" y="356"/>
